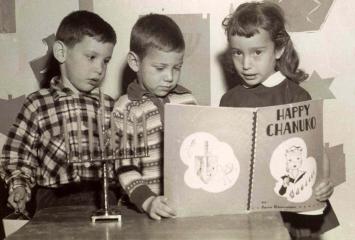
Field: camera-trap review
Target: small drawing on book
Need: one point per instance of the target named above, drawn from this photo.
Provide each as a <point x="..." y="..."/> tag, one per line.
<point x="211" y="164"/>
<point x="295" y="173"/>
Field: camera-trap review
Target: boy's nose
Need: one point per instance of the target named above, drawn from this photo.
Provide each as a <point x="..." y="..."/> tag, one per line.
<point x="169" y="76"/>
<point x="99" y="68"/>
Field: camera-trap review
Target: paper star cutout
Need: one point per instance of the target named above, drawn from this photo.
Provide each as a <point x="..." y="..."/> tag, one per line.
<point x="87" y="5"/>
<point x="318" y="87"/>
<point x="10" y="108"/>
<point x="41" y="64"/>
<point x="305" y="15"/>
<point x="337" y="159"/>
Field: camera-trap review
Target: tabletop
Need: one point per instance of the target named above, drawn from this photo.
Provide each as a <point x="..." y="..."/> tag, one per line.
<point x="74" y="222"/>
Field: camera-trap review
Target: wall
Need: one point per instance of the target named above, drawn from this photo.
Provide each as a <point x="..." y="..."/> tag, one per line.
<point x="322" y="32"/>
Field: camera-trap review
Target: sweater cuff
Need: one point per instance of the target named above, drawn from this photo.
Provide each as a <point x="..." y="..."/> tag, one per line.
<point x="139" y="195"/>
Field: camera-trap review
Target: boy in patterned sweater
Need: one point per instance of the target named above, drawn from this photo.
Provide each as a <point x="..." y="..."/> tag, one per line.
<point x="156" y="55"/>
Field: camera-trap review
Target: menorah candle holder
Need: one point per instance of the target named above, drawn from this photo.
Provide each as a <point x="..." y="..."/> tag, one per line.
<point x="109" y="151"/>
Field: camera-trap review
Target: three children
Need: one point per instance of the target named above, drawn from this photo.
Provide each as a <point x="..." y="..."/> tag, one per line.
<point x="35" y="152"/>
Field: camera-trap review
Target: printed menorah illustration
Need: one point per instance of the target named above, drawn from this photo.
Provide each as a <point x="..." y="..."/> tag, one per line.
<point x="114" y="145"/>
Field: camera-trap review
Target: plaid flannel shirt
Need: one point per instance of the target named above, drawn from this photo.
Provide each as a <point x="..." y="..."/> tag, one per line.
<point x="35" y="151"/>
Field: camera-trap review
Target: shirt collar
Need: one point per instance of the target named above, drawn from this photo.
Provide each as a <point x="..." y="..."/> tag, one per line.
<point x="136" y="92"/>
<point x="274" y="79"/>
<point x="63" y="91"/>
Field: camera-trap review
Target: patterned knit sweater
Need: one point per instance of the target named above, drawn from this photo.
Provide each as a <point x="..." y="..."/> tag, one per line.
<point x="142" y="177"/>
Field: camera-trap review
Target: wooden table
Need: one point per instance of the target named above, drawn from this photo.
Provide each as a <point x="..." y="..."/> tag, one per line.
<point x="74" y="222"/>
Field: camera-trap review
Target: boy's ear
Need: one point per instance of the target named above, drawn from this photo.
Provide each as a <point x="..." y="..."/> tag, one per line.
<point x="279" y="52"/>
<point x="59" y="51"/>
<point x="133" y="61"/>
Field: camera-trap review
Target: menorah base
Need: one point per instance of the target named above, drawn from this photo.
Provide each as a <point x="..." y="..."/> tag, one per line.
<point x="106" y="215"/>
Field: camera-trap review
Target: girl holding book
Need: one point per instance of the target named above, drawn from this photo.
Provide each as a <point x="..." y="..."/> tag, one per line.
<point x="267" y="63"/>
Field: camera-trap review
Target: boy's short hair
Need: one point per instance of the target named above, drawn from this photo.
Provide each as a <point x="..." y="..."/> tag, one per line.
<point x="82" y="23"/>
<point x="157" y="31"/>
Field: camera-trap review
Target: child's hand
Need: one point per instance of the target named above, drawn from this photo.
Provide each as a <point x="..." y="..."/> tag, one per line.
<point x="17" y="199"/>
<point x="157" y="207"/>
<point x="324" y="190"/>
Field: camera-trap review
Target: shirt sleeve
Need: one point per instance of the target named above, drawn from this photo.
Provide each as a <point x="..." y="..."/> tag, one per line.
<point x="229" y="99"/>
<point x="222" y="102"/>
<point x="193" y="101"/>
<point x="18" y="162"/>
<point x="128" y="170"/>
<point x="302" y="95"/>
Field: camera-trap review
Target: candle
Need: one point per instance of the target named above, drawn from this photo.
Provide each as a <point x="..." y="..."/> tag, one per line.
<point x="134" y="134"/>
<point x="66" y="138"/>
<point x="79" y="134"/>
<point x="145" y="138"/>
<point x="113" y="134"/>
<point x="91" y="137"/>
<point x="124" y="133"/>
<point x="102" y="98"/>
<point x="102" y="109"/>
<point x="101" y="138"/>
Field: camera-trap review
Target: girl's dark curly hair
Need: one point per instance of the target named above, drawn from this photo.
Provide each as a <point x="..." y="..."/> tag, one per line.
<point x="249" y="17"/>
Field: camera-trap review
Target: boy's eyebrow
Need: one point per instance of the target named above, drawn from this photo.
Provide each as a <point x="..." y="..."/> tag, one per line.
<point x="167" y="64"/>
<point x="92" y="51"/>
<point x="233" y="49"/>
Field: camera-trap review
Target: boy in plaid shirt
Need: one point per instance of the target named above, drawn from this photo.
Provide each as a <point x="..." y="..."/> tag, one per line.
<point x="36" y="151"/>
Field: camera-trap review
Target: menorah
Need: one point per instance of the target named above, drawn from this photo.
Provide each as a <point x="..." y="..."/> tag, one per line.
<point x="109" y="150"/>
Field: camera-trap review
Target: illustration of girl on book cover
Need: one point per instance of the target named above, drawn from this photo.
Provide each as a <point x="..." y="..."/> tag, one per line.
<point x="294" y="172"/>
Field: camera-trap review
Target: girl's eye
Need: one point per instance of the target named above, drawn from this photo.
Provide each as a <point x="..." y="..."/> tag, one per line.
<point x="106" y="61"/>
<point x="258" y="52"/>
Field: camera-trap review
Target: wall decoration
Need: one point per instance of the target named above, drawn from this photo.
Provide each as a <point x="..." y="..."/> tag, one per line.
<point x="196" y="31"/>
<point x="42" y="66"/>
<point x="318" y="87"/>
<point x="87" y="5"/>
<point x="305" y="15"/>
<point x="11" y="107"/>
<point x="7" y="16"/>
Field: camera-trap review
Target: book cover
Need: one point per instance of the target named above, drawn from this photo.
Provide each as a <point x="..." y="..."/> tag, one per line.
<point x="220" y="160"/>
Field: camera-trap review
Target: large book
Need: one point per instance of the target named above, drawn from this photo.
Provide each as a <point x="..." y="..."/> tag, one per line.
<point x="222" y="160"/>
